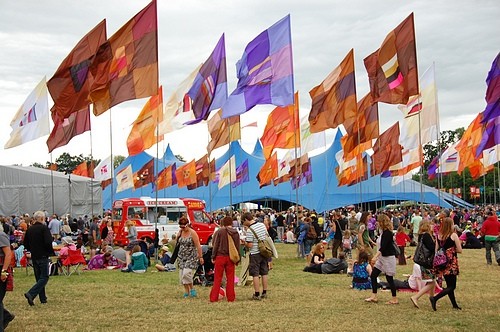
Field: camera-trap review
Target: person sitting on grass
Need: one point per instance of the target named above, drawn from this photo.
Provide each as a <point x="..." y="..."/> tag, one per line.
<point x="361" y="271"/>
<point x="105" y="260"/>
<point x="318" y="258"/>
<point x="164" y="255"/>
<point x="139" y="261"/>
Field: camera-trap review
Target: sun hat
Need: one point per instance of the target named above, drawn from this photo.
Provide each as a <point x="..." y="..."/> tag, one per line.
<point x="164" y="248"/>
<point x="67" y="240"/>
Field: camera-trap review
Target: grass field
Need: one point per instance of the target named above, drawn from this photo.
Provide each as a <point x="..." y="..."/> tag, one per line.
<point x="298" y="301"/>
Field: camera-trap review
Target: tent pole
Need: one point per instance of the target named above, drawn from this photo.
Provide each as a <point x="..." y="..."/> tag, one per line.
<point x="52" y="185"/>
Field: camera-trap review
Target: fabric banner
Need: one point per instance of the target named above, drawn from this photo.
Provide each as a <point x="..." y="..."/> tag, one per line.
<point x="125" y="179"/>
<point x="103" y="170"/>
<point x="65" y="129"/>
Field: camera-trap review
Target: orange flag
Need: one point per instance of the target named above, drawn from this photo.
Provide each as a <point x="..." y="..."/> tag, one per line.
<point x="334" y="100"/>
<point x="126" y="66"/>
<point x="143" y="133"/>
<point x="186" y="174"/>
<point x="268" y="171"/>
<point x="467" y="145"/>
<point x="53" y="167"/>
<point x="166" y="178"/>
<point x="223" y="131"/>
<point x="282" y="128"/>
<point x="392" y="69"/>
<point x="81" y="169"/>
<point x="386" y="150"/>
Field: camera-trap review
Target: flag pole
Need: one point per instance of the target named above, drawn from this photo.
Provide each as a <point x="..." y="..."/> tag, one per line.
<point x="112" y="161"/>
<point x="52" y="185"/>
<point x="230" y="170"/>
<point x="92" y="177"/>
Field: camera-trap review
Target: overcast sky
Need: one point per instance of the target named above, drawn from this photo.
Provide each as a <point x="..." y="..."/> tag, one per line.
<point x="462" y="37"/>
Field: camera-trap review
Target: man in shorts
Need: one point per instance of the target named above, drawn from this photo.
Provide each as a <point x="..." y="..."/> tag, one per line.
<point x="258" y="264"/>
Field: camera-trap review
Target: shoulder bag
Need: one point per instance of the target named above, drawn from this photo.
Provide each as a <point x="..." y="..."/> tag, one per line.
<point x="234" y="254"/>
<point x="423" y="256"/>
<point x="264" y="248"/>
<point x="440" y="260"/>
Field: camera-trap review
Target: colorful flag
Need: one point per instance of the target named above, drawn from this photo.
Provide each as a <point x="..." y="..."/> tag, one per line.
<point x="490" y="156"/>
<point x="166" y="178"/>
<point x="392" y="69"/>
<point x="304" y="177"/>
<point x="209" y="90"/>
<point x="177" y="111"/>
<point x="70" y="85"/>
<point x="143" y="133"/>
<point x="103" y="170"/>
<point x="334" y="100"/>
<point x="386" y="150"/>
<point x="186" y="174"/>
<point x="490" y="137"/>
<point x="242" y="174"/>
<point x="265" y="71"/>
<point x="469" y="142"/>
<point x="449" y="160"/>
<point x="282" y="129"/>
<point x="31" y="120"/>
<point x="268" y="171"/>
<point x="202" y="173"/>
<point x="356" y="172"/>
<point x="433" y="167"/>
<point x="309" y="141"/>
<point x="53" y="167"/>
<point x="145" y="175"/>
<point x="493" y="91"/>
<point x="125" y="179"/>
<point x="227" y="173"/>
<point x="81" y="169"/>
<point x="65" y="129"/>
<point x="222" y="131"/>
<point x="105" y="183"/>
<point x="126" y="66"/>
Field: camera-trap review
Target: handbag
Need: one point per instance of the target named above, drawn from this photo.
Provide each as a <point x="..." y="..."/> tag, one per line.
<point x="234" y="254"/>
<point x="423" y="256"/>
<point x="175" y="253"/>
<point x="396" y="249"/>
<point x="264" y="248"/>
<point x="440" y="260"/>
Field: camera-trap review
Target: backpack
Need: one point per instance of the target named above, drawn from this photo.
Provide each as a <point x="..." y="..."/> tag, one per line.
<point x="311" y="233"/>
<point x="264" y="248"/>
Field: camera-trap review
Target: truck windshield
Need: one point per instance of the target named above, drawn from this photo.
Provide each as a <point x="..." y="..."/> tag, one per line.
<point x="136" y="212"/>
<point x="200" y="217"/>
<point x="117" y="214"/>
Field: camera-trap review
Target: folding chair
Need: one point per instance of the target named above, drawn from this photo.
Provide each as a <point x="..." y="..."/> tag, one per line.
<point x="26" y="263"/>
<point x="73" y="262"/>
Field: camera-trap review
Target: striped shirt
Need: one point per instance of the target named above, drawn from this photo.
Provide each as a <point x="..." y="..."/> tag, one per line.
<point x="261" y="231"/>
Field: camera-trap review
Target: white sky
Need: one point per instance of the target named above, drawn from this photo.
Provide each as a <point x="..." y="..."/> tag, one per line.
<point x="462" y="37"/>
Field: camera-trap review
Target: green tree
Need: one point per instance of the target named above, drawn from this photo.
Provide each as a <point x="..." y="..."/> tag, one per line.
<point x="117" y="160"/>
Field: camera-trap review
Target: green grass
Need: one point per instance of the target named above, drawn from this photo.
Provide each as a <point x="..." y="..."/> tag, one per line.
<point x="298" y="301"/>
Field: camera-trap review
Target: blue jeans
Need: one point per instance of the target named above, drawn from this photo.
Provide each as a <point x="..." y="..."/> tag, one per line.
<point x="41" y="269"/>
<point x="488" y="245"/>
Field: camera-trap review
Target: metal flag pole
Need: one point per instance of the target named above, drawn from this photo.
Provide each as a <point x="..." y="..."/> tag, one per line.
<point x="92" y="177"/>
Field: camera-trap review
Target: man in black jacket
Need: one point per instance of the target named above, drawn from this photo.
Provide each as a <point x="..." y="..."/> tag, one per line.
<point x="38" y="241"/>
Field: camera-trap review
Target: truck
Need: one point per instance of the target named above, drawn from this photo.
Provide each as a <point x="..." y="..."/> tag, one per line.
<point x="143" y="211"/>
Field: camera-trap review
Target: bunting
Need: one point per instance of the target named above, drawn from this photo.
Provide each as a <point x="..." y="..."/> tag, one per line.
<point x="31" y="120"/>
<point x="65" y="129"/>
<point x="143" y="133"/>
<point x="282" y="129"/>
<point x="145" y="175"/>
<point x="392" y="69"/>
<point x="265" y="71"/>
<point x="386" y="150"/>
<point x="126" y="66"/>
<point x="70" y="85"/>
<point x="268" y="171"/>
<point x="209" y="90"/>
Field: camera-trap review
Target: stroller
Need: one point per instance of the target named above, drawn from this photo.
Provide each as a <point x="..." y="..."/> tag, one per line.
<point x="204" y="274"/>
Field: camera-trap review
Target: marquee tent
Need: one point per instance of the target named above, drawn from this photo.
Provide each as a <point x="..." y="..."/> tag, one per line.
<point x="29" y="189"/>
<point x="321" y="194"/>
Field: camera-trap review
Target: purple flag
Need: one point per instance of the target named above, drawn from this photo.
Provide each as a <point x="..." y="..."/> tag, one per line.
<point x="265" y="71"/>
<point x="492" y="92"/>
<point x="241" y="174"/>
<point x="303" y="178"/>
<point x="491" y="136"/>
<point x="209" y="90"/>
<point x="432" y="168"/>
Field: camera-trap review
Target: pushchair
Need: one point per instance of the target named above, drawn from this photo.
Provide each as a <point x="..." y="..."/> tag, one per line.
<point x="204" y="274"/>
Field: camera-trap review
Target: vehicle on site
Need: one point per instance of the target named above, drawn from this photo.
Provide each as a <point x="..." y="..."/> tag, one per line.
<point x="143" y="212"/>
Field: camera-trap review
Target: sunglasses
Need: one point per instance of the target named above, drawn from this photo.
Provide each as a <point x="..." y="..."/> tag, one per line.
<point x="182" y="225"/>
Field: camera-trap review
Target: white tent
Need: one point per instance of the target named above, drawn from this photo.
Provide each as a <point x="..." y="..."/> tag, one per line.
<point x="29" y="189"/>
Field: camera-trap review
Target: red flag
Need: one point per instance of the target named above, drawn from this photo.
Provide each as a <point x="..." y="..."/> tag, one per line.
<point x="386" y="150"/>
<point x="392" y="69"/>
<point x="186" y="174"/>
<point x="65" y="129"/>
<point x="143" y="133"/>
<point x="282" y="129"/>
<point x="70" y="85"/>
<point x="126" y="66"/>
<point x="145" y="175"/>
<point x="268" y="171"/>
<point x="202" y="173"/>
<point x="81" y="169"/>
<point x="334" y="100"/>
